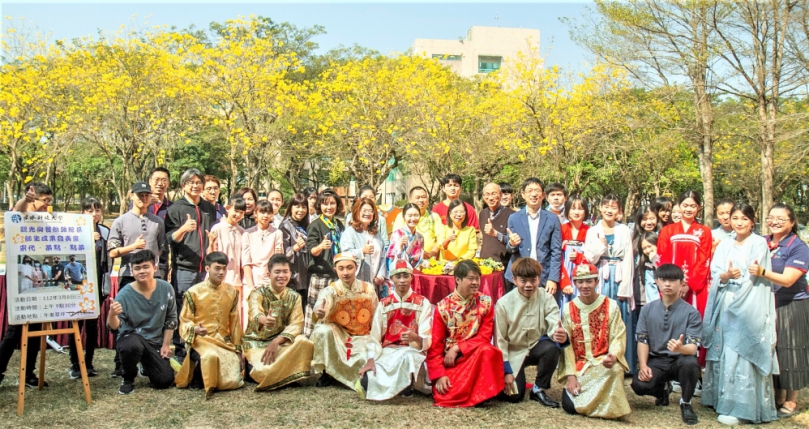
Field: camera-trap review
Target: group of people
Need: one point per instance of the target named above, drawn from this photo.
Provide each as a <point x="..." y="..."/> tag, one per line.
<point x="268" y="298"/>
<point x="34" y="274"/>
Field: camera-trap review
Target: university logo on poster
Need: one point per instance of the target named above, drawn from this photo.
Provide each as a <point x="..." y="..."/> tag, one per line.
<point x="50" y="267"/>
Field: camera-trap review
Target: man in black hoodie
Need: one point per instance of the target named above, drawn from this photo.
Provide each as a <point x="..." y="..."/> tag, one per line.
<point x="188" y="223"/>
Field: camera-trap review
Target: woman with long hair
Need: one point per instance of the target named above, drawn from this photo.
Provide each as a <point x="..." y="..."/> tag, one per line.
<point x="293" y="227"/>
<point x="363" y="240"/>
<point x="739" y="331"/>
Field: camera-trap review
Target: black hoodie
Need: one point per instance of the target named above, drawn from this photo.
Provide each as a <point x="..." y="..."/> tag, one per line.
<point x="189" y="253"/>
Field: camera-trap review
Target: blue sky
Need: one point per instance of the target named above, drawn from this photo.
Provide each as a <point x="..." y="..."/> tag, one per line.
<point x="386" y="27"/>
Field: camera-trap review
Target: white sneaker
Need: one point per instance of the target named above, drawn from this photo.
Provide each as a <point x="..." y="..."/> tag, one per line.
<point x="698" y="388"/>
<point x="728" y="420"/>
<point x="675" y="387"/>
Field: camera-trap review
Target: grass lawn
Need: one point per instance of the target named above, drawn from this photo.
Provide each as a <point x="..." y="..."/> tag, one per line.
<point x="62" y="405"/>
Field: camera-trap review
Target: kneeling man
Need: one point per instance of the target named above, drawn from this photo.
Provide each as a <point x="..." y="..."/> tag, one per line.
<point x="402" y="326"/>
<point x="210" y="325"/>
<point x="342" y="339"/>
<point x="528" y="333"/>
<point x="669" y="334"/>
<point x="466" y="369"/>
<point x="277" y="352"/>
<point x="594" y="365"/>
<point x="145" y="316"/>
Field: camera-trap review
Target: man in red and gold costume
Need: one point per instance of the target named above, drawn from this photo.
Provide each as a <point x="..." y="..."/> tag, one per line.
<point x="464" y="366"/>
<point x="402" y="325"/>
<point x="344" y="312"/>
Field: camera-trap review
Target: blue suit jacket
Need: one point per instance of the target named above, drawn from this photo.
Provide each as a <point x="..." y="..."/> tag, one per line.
<point x="549" y="244"/>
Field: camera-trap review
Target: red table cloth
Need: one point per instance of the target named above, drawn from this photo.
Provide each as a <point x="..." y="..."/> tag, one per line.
<point x="104" y="335"/>
<point x="436" y="288"/>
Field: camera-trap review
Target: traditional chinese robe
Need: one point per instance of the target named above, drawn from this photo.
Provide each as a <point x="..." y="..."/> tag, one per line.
<point x="294" y="357"/>
<point x="216" y="308"/>
<point x="398" y="363"/>
<point x="595" y="330"/>
<point x="342" y="339"/>
<point x="691" y="251"/>
<point x="478" y="372"/>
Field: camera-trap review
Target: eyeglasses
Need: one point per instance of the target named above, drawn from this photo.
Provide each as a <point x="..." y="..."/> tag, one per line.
<point x="47" y="201"/>
<point x="212" y="188"/>
<point x="160" y="180"/>
<point x="533" y="191"/>
<point x="193" y="183"/>
<point x="780" y="220"/>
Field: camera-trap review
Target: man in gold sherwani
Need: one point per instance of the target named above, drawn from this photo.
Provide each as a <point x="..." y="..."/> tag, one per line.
<point x="210" y="326"/>
<point x="277" y="352"/>
<point x="593" y="365"/>
<point x="344" y="312"/>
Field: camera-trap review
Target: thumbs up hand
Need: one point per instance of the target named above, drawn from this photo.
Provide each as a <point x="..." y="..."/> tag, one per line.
<point x="755" y="269"/>
<point x="212" y="236"/>
<point x="368" y="248"/>
<point x="190" y="224"/>
<point x="300" y="243"/>
<point x="513" y="239"/>
<point x="140" y="243"/>
<point x="200" y="330"/>
<point x="489" y="229"/>
<point x="733" y="273"/>
<point x="559" y="334"/>
<point x="674" y="346"/>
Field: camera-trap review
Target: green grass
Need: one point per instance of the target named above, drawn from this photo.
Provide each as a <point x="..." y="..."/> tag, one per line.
<point x="62" y="405"/>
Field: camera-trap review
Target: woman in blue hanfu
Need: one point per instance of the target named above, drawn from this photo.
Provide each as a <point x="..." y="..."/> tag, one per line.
<point x="739" y="328"/>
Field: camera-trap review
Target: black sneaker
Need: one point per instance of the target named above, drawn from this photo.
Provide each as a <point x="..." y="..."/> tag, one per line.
<point x="74" y="372"/>
<point x="408" y="392"/>
<point x="663" y="401"/>
<point x="689" y="416"/>
<point x="324" y="380"/>
<point x="33" y="381"/>
<point x="118" y="373"/>
<point x="91" y="372"/>
<point x="127" y="387"/>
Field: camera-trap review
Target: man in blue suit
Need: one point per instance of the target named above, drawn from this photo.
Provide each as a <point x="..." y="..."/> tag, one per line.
<point x="537" y="234"/>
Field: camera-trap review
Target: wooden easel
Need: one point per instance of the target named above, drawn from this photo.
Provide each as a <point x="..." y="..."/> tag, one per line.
<point x="47" y="329"/>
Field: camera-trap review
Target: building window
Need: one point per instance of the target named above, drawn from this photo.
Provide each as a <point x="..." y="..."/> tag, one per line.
<point x="447" y="57"/>
<point x="488" y="64"/>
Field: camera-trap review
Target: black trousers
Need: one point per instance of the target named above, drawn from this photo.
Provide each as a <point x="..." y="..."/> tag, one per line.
<point x="545" y="355"/>
<point x="134" y="349"/>
<point x="682" y="368"/>
<point x="10" y="340"/>
<point x="182" y="280"/>
<point x="91" y="332"/>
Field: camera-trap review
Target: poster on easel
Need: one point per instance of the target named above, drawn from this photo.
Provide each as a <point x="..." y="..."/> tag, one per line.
<point x="50" y="267"/>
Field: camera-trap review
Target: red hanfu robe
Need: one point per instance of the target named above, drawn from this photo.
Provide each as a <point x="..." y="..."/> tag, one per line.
<point x="691" y="251"/>
<point x="478" y="371"/>
<point x="571" y="244"/>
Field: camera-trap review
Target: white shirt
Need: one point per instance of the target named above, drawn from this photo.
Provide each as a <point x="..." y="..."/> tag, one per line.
<point x="533" y="228"/>
<point x="24" y="270"/>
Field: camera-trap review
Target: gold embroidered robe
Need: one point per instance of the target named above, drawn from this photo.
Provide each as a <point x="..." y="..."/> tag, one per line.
<point x="342" y="339"/>
<point x="294" y="357"/>
<point x="217" y="309"/>
<point x="595" y="330"/>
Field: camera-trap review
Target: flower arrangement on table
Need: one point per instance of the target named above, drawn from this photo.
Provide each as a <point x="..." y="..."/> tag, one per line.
<point x="434" y="267"/>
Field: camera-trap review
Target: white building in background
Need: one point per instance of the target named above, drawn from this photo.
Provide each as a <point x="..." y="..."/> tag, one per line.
<point x="483" y="50"/>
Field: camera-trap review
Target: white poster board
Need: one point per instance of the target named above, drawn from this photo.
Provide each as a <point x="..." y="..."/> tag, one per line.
<point x="36" y="239"/>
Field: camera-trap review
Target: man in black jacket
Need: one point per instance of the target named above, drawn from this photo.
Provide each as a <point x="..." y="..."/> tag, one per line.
<point x="188" y="224"/>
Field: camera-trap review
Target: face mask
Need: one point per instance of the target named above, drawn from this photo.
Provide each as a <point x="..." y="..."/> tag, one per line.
<point x="558" y="208"/>
<point x="37" y="265"/>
